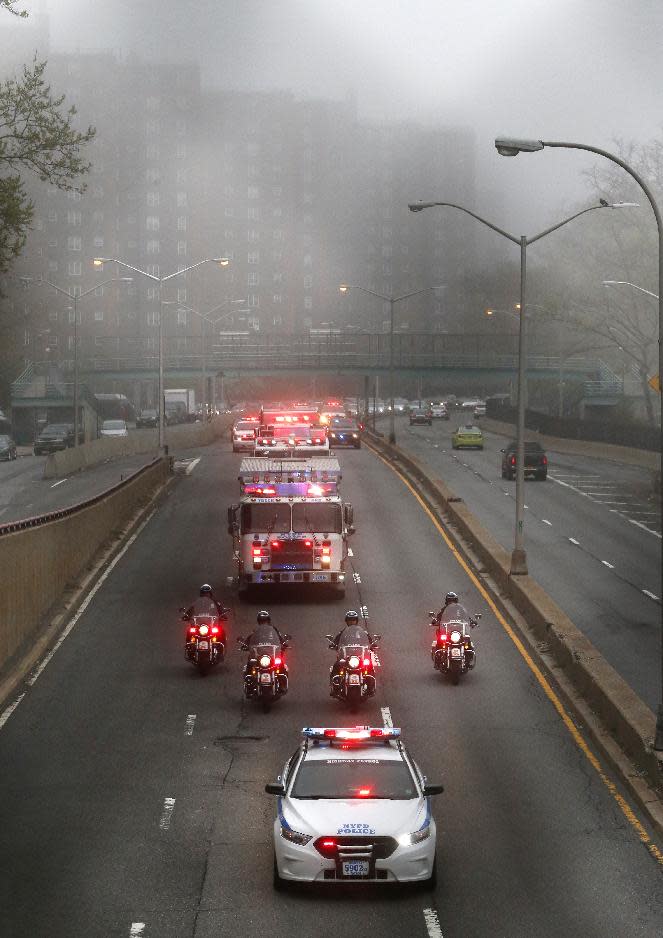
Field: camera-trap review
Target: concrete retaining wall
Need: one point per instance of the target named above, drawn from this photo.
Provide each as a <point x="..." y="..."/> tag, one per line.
<point x="37" y="563"/>
<point x="185" y="436"/>
<point x="630" y="722"/>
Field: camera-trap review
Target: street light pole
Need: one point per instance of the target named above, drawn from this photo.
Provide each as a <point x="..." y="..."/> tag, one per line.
<point x="518" y="555"/>
<point x="392" y="300"/>
<point x="512" y="147"/>
<point x="100" y="261"/>
<point x="76" y="298"/>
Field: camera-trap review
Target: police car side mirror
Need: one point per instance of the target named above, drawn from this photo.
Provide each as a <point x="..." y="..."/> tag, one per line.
<point x="433" y="789"/>
<point x="275" y="788"/>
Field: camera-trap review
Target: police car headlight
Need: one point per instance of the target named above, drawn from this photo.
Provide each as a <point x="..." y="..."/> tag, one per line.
<point x="295" y="837"/>
<point x="407" y="840"/>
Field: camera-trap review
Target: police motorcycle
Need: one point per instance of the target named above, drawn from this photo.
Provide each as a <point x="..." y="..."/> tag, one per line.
<point x="452" y="650"/>
<point x="205" y="643"/>
<point x="352" y="676"/>
<point x="266" y="671"/>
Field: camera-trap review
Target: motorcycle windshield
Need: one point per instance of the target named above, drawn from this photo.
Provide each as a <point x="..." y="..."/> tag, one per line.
<point x="354" y="635"/>
<point x="264" y="635"/>
<point x="346" y="651"/>
<point x="262" y="649"/>
<point x="455" y="614"/>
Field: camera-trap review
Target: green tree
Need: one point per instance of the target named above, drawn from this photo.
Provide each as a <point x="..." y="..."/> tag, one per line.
<point x="36" y="134"/>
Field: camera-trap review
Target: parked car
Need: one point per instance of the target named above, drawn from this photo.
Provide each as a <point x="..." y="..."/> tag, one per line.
<point x="147" y="418"/>
<point x="467" y="437"/>
<point x="7" y="447"/>
<point x="536" y="461"/>
<point x="421" y="417"/>
<point x="114" y="428"/>
<point x="344" y="431"/>
<point x="54" y="437"/>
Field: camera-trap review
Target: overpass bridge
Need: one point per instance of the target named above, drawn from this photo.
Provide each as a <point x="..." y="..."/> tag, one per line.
<point x="419" y="354"/>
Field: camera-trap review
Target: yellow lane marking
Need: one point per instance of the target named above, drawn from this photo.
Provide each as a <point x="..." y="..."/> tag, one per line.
<point x="547" y="689"/>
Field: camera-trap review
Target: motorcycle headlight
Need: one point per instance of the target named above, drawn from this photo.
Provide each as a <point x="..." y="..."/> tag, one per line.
<point x="204" y="629"/>
<point x="455" y="636"/>
<point x="353" y="661"/>
<point x="295" y="837"/>
<point x="265" y="661"/>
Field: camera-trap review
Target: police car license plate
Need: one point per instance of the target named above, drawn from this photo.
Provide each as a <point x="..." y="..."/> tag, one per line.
<point x="203" y="646"/>
<point x="319" y="577"/>
<point x="265" y="678"/>
<point x="456" y="652"/>
<point x="355" y="868"/>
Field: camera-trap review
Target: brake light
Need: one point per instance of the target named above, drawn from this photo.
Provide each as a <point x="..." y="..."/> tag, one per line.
<point x="376" y="733"/>
<point x="364" y="792"/>
<point x="513" y="460"/>
<point x="367" y="663"/>
<point x="308" y="543"/>
<point x="256" y="551"/>
<point x="328" y="843"/>
<point x="192" y="629"/>
<point x="544" y="461"/>
<point x="330" y="733"/>
<point x="443" y="637"/>
<point x="326" y="550"/>
<point x="215" y="630"/>
<point x="275" y="545"/>
<point x="277" y="660"/>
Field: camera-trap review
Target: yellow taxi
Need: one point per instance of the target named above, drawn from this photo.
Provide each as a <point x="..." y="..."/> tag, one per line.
<point x="467" y="437"/>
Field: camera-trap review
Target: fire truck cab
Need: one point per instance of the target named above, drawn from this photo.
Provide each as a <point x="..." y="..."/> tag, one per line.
<point x="290" y="525"/>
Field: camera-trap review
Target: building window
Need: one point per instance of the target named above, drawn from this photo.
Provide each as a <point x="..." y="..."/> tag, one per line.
<point x="254" y="300"/>
<point x="181" y="199"/>
<point x="308" y="282"/>
<point x="253" y="192"/>
<point x="180" y="150"/>
<point x="278" y="234"/>
<point x="74" y="195"/>
<point x="153" y="199"/>
<point x="253" y="213"/>
<point x="52" y="315"/>
<point x="181" y="294"/>
<point x="152" y="317"/>
<point x="181" y="248"/>
<point x="229" y="234"/>
<point x="278" y="299"/>
<point x="308" y="302"/>
<point x="74" y="268"/>
<point x="181" y="222"/>
<point x="153" y="270"/>
<point x="181" y="175"/>
<point x="253" y="257"/>
<point x="52" y="267"/>
<point x="152" y="222"/>
<point x="152" y="103"/>
<point x="72" y="316"/>
<point x="152" y="247"/>
<point x="152" y="293"/>
<point x="253" y="235"/>
<point x="277" y="277"/>
<point x="99" y="291"/>
<point x="152" y="151"/>
<point x="74" y="243"/>
<point x="98" y="241"/>
<point x="181" y="317"/>
<point x="229" y="211"/>
<point x="253" y="280"/>
<point x="53" y="216"/>
<point x="98" y="315"/>
<point x="151" y="175"/>
<point x="97" y="218"/>
<point x="97" y="192"/>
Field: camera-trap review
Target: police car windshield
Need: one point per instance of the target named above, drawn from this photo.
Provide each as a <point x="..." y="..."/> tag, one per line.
<point x="455" y="612"/>
<point x="363" y="777"/>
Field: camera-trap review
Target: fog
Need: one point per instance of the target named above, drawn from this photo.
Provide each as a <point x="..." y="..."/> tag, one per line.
<point x="584" y="70"/>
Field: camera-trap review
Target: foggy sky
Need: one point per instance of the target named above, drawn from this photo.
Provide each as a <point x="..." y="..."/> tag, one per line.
<point x="581" y="70"/>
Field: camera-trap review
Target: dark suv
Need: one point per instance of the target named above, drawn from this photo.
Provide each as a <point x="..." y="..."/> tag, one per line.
<point x="421" y="417"/>
<point x="147" y="418"/>
<point x="344" y="431"/>
<point x="54" y="436"/>
<point x="536" y="461"/>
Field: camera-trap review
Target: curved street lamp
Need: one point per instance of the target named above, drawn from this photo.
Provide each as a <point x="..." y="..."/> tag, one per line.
<point x="512" y="146"/>
<point x="219" y="261"/>
<point x="518" y="555"/>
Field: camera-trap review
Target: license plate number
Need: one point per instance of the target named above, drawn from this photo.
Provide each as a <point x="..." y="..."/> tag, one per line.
<point x="319" y="577"/>
<point x="355" y="868"/>
<point x="456" y="653"/>
<point x="203" y="646"/>
<point x="265" y="678"/>
<point x="354" y="679"/>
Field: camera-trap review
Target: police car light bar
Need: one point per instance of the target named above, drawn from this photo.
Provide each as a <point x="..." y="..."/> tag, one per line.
<point x="351" y="733"/>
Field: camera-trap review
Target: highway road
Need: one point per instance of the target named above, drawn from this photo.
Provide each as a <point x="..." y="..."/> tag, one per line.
<point x="593" y="540"/>
<point x="24" y="493"/>
<point x="131" y="795"/>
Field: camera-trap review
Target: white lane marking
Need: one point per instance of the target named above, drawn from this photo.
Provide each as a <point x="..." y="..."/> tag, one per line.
<point x="545" y="521"/>
<point x="651" y="595"/>
<point x="356" y="578"/>
<point x="603" y="501"/>
<point x="573" y="541"/>
<point x="137" y="929"/>
<point x="432" y="924"/>
<point x="55" y="484"/>
<point x="192" y="465"/>
<point x="644" y="527"/>
<point x="167" y="813"/>
<point x="364" y="612"/>
<point x="86" y="602"/>
<point x="386" y="717"/>
<point x="350" y="552"/>
<point x="610" y="566"/>
<point x="9" y="710"/>
<point x="189" y="725"/>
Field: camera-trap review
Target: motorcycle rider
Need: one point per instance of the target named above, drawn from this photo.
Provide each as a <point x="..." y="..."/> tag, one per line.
<point x="206" y="605"/>
<point x="451" y="600"/>
<point x="265" y="633"/>
<point x="350" y="631"/>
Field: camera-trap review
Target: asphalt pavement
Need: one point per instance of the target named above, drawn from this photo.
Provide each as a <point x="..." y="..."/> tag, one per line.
<point x="131" y="795"/>
<point x="592" y="536"/>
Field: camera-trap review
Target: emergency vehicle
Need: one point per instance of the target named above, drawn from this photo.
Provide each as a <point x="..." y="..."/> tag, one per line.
<point x="353" y="807"/>
<point x="291" y="431"/>
<point x="290" y="525"/>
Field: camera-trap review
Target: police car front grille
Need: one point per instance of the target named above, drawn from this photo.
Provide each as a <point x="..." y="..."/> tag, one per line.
<point x="358" y="848"/>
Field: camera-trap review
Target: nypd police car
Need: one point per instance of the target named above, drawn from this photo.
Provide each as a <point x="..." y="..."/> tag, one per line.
<point x="353" y="806"/>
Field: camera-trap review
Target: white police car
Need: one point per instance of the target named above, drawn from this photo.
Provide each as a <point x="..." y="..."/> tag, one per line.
<point x="353" y="806"/>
